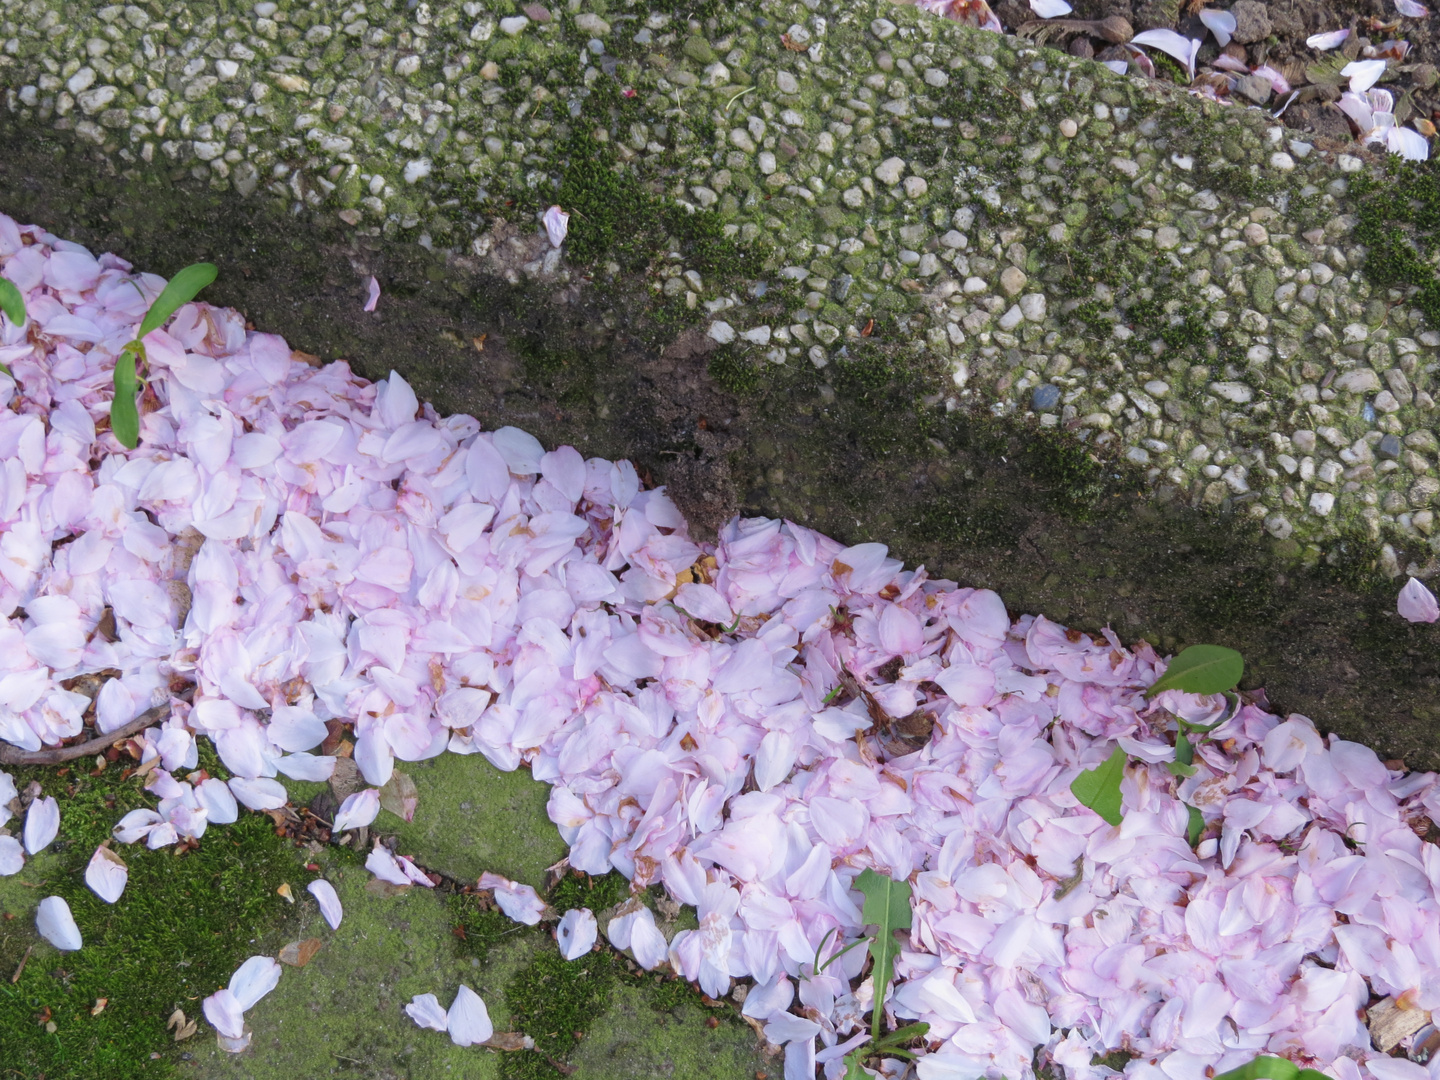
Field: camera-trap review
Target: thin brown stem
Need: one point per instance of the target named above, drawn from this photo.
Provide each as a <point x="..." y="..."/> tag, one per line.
<point x="10" y="755"/>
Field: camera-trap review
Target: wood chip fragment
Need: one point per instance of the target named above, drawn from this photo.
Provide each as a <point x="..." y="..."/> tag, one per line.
<point x="1390" y="1022"/>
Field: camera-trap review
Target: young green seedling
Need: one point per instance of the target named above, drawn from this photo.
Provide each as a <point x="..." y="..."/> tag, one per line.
<point x="1200" y="669"/>
<point x="13" y="305"/>
<point x="181" y="289"/>
<point x="887" y="907"/>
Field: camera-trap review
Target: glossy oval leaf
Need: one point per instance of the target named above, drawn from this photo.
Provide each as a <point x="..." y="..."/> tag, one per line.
<point x="181" y="289"/>
<point x="1099" y="788"/>
<point x="11" y="302"/>
<point x="1265" y="1068"/>
<point x="1195" y="826"/>
<point x="1202" y="669"/>
<point x="124" y="415"/>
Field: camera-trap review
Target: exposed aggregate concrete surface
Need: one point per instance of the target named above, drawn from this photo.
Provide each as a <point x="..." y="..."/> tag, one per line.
<point x="1173" y="283"/>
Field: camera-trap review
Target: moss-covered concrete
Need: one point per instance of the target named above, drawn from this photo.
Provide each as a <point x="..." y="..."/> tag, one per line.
<point x="471" y="817"/>
<point x="343" y="1013"/>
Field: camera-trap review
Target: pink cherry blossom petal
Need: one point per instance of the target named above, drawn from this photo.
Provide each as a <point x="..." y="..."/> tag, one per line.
<point x="1417" y="603"/>
<point x="106" y="874"/>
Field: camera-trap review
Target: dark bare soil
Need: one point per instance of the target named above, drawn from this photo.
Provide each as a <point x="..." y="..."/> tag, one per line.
<point x="1274" y="33"/>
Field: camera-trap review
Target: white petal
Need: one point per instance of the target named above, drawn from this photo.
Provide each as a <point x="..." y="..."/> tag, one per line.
<point x="12" y="856"/>
<point x="1050" y="9"/>
<point x="1119" y="67"/>
<point x="1331" y="40"/>
<point x="329" y="901"/>
<point x="557" y="225"/>
<point x="576" y="933"/>
<point x="468" y="1019"/>
<point x="259" y="794"/>
<point x="1410" y="145"/>
<point x="253" y="979"/>
<point x="1411" y="10"/>
<point x="1168" y="41"/>
<point x="1219" y="23"/>
<point x="7" y="792"/>
<point x="42" y="822"/>
<point x="425" y="1010"/>
<point x="216" y="799"/>
<point x="224" y="1013"/>
<point x="1363" y="74"/>
<point x="373" y="296"/>
<point x="57" y="925"/>
<point x="357" y="810"/>
<point x="106" y="875"/>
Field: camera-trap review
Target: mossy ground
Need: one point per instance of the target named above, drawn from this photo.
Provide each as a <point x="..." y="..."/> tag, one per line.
<point x="186" y="922"/>
<point x="182" y="926"/>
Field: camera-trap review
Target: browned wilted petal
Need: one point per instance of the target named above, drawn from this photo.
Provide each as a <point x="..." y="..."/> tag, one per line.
<point x="299" y="953"/>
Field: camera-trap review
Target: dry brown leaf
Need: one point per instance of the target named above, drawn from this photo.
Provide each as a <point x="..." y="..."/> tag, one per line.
<point x="177" y="1019"/>
<point x="299" y="953"/>
<point x="185" y="1030"/>
<point x="399" y="796"/>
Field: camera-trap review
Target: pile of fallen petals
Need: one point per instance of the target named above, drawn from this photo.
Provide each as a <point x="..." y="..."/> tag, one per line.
<point x="748" y="725"/>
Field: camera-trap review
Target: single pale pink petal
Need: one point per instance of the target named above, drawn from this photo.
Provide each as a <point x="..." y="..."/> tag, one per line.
<point x="1219" y="23"/>
<point x="259" y="794"/>
<point x="1331" y="40"/>
<point x="56" y="924"/>
<point x="577" y="933"/>
<point x="357" y="810"/>
<point x="1417" y="603"/>
<point x="106" y="875"/>
<point x="646" y="942"/>
<point x="557" y="225"/>
<point x="385" y="867"/>
<point x="253" y="979"/>
<point x="135" y="825"/>
<point x="374" y="297"/>
<point x="224" y="1013"/>
<point x="42" y="823"/>
<point x="1050" y="9"/>
<point x="1411" y="10"/>
<point x="468" y="1020"/>
<point x="521" y="450"/>
<point x="329" y="901"/>
<point x="1363" y="74"/>
<point x="7" y="792"/>
<point x="12" y="856"/>
<point x="1410" y="145"/>
<point x="520" y="902"/>
<point x="425" y="1010"/>
<point x="218" y="802"/>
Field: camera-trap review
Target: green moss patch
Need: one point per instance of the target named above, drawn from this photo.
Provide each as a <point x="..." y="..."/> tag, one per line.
<point x="183" y="925"/>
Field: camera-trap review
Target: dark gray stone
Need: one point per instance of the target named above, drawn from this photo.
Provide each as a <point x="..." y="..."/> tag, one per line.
<point x="1252" y="21"/>
<point x="1046" y="398"/>
<point x="1389" y="447"/>
<point x="840" y="288"/>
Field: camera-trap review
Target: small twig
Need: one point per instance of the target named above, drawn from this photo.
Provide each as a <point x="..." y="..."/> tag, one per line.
<point x="10" y="755"/>
<point x="23" y="960"/>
